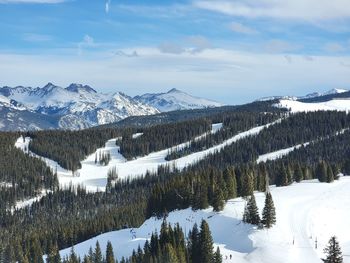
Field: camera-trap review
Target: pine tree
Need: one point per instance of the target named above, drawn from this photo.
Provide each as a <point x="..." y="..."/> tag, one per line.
<point x="169" y="254"/>
<point x="98" y="254"/>
<point x="251" y="213"/>
<point x="269" y="212"/>
<point x="218" y="200"/>
<point x="217" y="256"/>
<point x="321" y="171"/>
<point x="231" y="182"/>
<point x="206" y="244"/>
<point x="247" y="183"/>
<point x="54" y="255"/>
<point x="330" y="175"/>
<point x="109" y="253"/>
<point x="333" y="252"/>
<point x="73" y="257"/>
<point x="194" y="245"/>
<point x="298" y="174"/>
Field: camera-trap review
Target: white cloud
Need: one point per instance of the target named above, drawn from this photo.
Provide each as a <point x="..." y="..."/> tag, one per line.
<point x="282" y="9"/>
<point x="191" y="45"/>
<point x="107" y="6"/>
<point x="334" y="47"/>
<point x="280" y="46"/>
<point x="199" y="43"/>
<point x="240" y="28"/>
<point x="225" y="75"/>
<point x="36" y="37"/>
<point x="171" y="48"/>
<point x="87" y="41"/>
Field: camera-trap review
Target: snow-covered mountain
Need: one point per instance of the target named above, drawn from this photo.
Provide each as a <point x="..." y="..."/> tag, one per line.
<point x="320" y="94"/>
<point x="77" y="106"/>
<point x="175" y="100"/>
<point x="312" y="95"/>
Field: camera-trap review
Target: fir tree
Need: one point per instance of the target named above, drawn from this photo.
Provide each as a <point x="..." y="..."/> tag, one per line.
<point x="194" y="244"/>
<point x="97" y="254"/>
<point x="330" y="175"/>
<point x="218" y="200"/>
<point x="206" y="243"/>
<point x="269" y="213"/>
<point x="333" y="252"/>
<point x="109" y="253"/>
<point x="251" y="213"/>
<point x="54" y="255"/>
<point x="231" y="183"/>
<point x="321" y="171"/>
<point x="217" y="256"/>
<point x="298" y="174"/>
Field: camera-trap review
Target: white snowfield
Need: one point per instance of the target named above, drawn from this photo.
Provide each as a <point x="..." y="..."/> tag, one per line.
<point x="297" y="106"/>
<point x="279" y="154"/>
<point x="306" y="212"/>
<point x="94" y="176"/>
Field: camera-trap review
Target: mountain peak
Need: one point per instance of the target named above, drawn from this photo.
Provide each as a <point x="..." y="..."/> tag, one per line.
<point x="174" y="90"/>
<point x="74" y="87"/>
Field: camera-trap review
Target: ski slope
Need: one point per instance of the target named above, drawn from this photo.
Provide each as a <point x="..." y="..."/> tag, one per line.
<point x="279" y="153"/>
<point x="298" y="106"/>
<point x="94" y="176"/>
<point x="306" y="212"/>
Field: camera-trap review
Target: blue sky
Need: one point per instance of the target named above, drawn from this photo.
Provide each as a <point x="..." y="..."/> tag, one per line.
<point x="233" y="51"/>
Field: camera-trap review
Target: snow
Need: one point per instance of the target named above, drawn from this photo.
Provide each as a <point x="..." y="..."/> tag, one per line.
<point x="176" y="100"/>
<point x="136" y="135"/>
<point x="306" y="212"/>
<point x="94" y="176"/>
<point x="278" y="154"/>
<point x="297" y="106"/>
<point x="30" y="201"/>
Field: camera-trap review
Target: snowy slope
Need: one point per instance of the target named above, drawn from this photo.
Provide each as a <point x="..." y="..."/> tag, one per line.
<point x="175" y="100"/>
<point x="306" y="212"/>
<point x="297" y="106"/>
<point x="278" y="154"/>
<point x="94" y="176"/>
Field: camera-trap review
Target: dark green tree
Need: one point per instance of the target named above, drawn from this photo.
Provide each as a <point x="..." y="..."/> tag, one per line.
<point x="333" y="251"/>
<point x="217" y="256"/>
<point x="269" y="212"/>
<point x="98" y="254"/>
<point x="251" y="212"/>
<point x="109" y="253"/>
<point x="206" y="244"/>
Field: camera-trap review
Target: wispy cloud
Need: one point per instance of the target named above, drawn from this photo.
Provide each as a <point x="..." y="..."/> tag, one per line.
<point x="30" y="37"/>
<point x="191" y="45"/>
<point x="334" y="47"/>
<point x="281" y="46"/>
<point x="87" y="41"/>
<point x="286" y="9"/>
<point x="171" y="48"/>
<point x="230" y="76"/>
<point x="107" y="5"/>
<point x="243" y="29"/>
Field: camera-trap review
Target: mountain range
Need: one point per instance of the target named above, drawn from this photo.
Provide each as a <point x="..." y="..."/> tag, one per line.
<point x="80" y="106"/>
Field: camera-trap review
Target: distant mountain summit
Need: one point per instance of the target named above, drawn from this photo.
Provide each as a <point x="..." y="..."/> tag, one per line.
<point x="80" y="106"/>
<point x="315" y="96"/>
<point x="175" y="99"/>
<point x="74" y="107"/>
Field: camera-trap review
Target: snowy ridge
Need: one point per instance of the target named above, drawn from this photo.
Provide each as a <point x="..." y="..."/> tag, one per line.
<point x="305" y="211"/>
<point x="297" y="106"/>
<point x="279" y="153"/>
<point x="176" y="100"/>
<point x="77" y="106"/>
